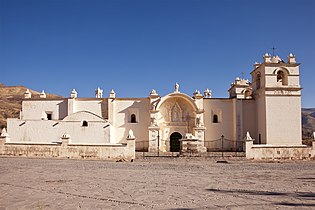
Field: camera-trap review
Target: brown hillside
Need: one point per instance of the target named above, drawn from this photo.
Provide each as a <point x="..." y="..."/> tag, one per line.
<point x="308" y="122"/>
<point x="11" y="101"/>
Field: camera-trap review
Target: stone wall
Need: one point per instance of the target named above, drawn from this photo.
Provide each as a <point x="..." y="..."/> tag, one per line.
<point x="124" y="152"/>
<point x="272" y="152"/>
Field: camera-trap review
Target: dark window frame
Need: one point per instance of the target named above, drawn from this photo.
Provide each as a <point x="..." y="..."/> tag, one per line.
<point x="85" y="123"/>
<point x="133" y="118"/>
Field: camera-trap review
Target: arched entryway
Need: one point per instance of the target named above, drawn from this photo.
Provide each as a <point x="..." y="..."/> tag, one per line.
<point x="174" y="142"/>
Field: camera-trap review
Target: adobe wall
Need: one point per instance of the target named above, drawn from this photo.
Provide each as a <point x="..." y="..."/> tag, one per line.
<point x="113" y="152"/>
<point x="223" y="108"/>
<point x="121" y="121"/>
<point x="35" y="109"/>
<point x="49" y="131"/>
<point x="272" y="152"/>
<point x="283" y="120"/>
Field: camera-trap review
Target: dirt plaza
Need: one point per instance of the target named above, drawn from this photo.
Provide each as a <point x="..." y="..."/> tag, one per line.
<point x="156" y="183"/>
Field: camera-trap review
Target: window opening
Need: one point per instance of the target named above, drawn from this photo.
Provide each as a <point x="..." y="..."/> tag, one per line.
<point x="281" y="78"/>
<point x="247" y="94"/>
<point x="133" y="118"/>
<point x="49" y="116"/>
<point x="215" y="119"/>
<point x="84" y="124"/>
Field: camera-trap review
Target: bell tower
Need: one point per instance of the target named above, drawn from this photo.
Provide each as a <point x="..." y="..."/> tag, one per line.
<point x="277" y="92"/>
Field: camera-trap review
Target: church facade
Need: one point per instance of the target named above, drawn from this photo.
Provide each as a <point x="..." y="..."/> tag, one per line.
<point x="268" y="107"/>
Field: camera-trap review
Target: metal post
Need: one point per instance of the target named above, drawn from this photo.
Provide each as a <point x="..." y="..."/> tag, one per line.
<point x="222" y="138"/>
<point x="158" y="149"/>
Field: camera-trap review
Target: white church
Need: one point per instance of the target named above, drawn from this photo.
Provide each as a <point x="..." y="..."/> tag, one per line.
<point x="268" y="107"/>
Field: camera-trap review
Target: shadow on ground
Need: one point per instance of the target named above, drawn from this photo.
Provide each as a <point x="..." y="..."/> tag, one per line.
<point x="298" y="195"/>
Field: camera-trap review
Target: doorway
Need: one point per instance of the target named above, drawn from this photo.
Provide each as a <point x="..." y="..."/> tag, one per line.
<point x="174" y="142"/>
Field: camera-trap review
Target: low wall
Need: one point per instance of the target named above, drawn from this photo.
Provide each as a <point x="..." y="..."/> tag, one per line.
<point x="114" y="152"/>
<point x="272" y="152"/>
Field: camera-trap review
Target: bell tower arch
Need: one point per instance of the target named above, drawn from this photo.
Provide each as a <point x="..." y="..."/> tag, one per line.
<point x="277" y="92"/>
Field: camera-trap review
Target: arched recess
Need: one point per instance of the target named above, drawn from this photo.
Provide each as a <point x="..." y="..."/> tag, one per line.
<point x="176" y="113"/>
<point x="258" y="80"/>
<point x="178" y="110"/>
<point x="177" y="95"/>
<point x="83" y="115"/>
<point x="84" y="123"/>
<point x="282" y="75"/>
<point x="247" y="93"/>
<point x="133" y="118"/>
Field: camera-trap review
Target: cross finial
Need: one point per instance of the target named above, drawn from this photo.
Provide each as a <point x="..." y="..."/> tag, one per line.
<point x="273" y="51"/>
<point x="242" y="75"/>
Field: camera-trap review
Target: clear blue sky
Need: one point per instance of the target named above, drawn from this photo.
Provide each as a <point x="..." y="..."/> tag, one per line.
<point x="136" y="45"/>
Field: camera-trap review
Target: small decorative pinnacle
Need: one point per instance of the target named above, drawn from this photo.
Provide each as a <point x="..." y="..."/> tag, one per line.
<point x="42" y="94"/>
<point x="65" y="136"/>
<point x="130" y="135"/>
<point x="112" y="94"/>
<point x="176" y="87"/>
<point x="4" y="133"/>
<point x="27" y="94"/>
<point x="248" y="137"/>
<point x="73" y="94"/>
<point x="207" y="93"/>
<point x="98" y="93"/>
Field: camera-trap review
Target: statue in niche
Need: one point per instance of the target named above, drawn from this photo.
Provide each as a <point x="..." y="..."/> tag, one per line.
<point x="199" y="122"/>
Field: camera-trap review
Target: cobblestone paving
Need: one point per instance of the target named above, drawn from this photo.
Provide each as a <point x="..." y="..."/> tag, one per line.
<point x="156" y="183"/>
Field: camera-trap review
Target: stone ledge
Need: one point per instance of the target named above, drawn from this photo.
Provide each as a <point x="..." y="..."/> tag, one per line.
<point x="278" y="146"/>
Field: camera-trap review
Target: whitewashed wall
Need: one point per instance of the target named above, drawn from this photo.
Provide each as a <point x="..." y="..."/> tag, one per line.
<point x="223" y="107"/>
<point x="121" y="117"/>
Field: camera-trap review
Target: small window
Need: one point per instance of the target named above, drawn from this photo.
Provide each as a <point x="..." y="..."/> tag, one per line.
<point x="84" y="124"/>
<point x="49" y="116"/>
<point x="133" y="118"/>
<point x="215" y="118"/>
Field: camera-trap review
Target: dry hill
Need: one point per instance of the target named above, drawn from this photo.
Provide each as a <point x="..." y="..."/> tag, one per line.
<point x="11" y="100"/>
<point x="308" y="122"/>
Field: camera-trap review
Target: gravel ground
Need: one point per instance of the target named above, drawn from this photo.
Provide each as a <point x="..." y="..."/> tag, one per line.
<point x="157" y="183"/>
